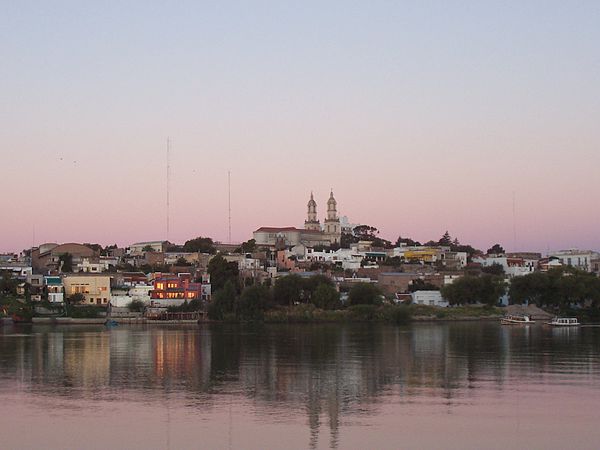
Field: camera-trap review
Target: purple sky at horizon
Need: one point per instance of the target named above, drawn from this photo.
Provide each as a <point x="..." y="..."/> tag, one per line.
<point x="423" y="117"/>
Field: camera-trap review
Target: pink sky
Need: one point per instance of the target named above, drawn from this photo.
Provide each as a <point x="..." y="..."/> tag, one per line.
<point x="421" y="120"/>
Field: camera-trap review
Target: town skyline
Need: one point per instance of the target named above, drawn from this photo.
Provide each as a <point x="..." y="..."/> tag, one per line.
<point x="421" y="120"/>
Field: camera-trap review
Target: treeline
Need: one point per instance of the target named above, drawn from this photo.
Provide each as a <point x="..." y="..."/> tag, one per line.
<point x="252" y="302"/>
<point x="559" y="288"/>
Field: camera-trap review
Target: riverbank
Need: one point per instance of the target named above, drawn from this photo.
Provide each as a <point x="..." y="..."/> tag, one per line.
<point x="385" y="313"/>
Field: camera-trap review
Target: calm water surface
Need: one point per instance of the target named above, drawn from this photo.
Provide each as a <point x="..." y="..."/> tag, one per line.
<point x="447" y="386"/>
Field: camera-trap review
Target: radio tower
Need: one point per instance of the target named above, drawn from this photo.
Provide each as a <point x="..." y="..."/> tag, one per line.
<point x="229" y="203"/>
<point x="168" y="182"/>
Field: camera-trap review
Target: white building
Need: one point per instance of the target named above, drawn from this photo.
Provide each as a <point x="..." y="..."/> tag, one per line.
<point x="580" y="259"/>
<point x="431" y="298"/>
<point x="137" y="249"/>
<point x="513" y="267"/>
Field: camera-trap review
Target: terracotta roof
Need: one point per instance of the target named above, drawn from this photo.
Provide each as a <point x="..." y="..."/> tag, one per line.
<point x="278" y="229"/>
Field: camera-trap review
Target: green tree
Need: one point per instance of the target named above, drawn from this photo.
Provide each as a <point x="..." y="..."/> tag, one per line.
<point x="148" y="248"/>
<point x="223" y="302"/>
<point x="486" y="289"/>
<point x="422" y="285"/>
<point x="247" y="247"/>
<point x="446" y="239"/>
<point x="66" y="262"/>
<point x="288" y="290"/>
<point x="200" y="244"/>
<point x="326" y="297"/>
<point x="221" y="271"/>
<point x="8" y="284"/>
<point x="494" y="269"/>
<point x="364" y="294"/>
<point x="495" y="249"/>
<point x="406" y="241"/>
<point x="76" y="299"/>
<point x="136" y="306"/>
<point x="251" y="305"/>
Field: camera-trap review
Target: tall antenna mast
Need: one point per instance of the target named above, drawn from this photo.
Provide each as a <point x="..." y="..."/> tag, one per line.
<point x="168" y="182"/>
<point x="229" y="202"/>
<point x="514" y="222"/>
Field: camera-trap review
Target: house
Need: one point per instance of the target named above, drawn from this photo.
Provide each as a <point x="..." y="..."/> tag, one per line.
<point x="513" y="267"/>
<point x="170" y="289"/>
<point x="139" y="248"/>
<point x="431" y="298"/>
<point x="54" y="289"/>
<point x="94" y="287"/>
<point x="579" y="259"/>
<point x="47" y="257"/>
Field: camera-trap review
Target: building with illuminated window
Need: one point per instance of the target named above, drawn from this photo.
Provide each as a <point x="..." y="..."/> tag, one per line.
<point x="175" y="287"/>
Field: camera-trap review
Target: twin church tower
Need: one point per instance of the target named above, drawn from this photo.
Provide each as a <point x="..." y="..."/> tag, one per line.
<point x="331" y="226"/>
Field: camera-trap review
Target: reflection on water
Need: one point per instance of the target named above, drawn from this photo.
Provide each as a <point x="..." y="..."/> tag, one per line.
<point x="320" y="386"/>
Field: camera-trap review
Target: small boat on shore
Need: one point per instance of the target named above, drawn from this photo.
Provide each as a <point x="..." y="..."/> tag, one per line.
<point x="515" y="319"/>
<point x="564" y="322"/>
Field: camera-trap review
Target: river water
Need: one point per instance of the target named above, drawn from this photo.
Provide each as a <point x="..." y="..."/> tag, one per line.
<point x="440" y="385"/>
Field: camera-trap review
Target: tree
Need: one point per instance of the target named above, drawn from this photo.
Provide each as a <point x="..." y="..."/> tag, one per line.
<point x="446" y="239"/>
<point x="486" y="289"/>
<point x="66" y="262"/>
<point x="8" y="284"/>
<point x="136" y="306"/>
<point x="147" y="248"/>
<point x="76" y="299"/>
<point x="201" y="245"/>
<point x="494" y="269"/>
<point x="495" y="249"/>
<point x="223" y="302"/>
<point x="347" y="239"/>
<point x="369" y="233"/>
<point x="422" y="285"/>
<point x="406" y="241"/>
<point x="364" y="294"/>
<point x="288" y="290"/>
<point x="96" y="247"/>
<point x="253" y="302"/>
<point x="326" y="297"/>
<point x="221" y="271"/>
<point x="247" y="247"/>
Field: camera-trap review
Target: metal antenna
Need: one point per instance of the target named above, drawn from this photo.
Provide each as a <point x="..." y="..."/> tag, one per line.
<point x="168" y="181"/>
<point x="514" y="222"/>
<point x="229" y="202"/>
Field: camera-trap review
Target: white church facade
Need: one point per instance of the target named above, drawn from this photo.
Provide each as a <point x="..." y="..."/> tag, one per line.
<point x="312" y="235"/>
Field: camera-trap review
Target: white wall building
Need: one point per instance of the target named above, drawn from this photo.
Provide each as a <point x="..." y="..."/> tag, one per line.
<point x="580" y="259"/>
<point x="513" y="267"/>
<point x="430" y="298"/>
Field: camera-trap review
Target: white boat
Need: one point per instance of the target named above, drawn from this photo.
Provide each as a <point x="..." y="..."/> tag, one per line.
<point x="564" y="322"/>
<point x="515" y="319"/>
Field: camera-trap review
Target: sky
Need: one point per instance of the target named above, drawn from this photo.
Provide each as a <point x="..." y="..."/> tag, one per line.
<point x="480" y="118"/>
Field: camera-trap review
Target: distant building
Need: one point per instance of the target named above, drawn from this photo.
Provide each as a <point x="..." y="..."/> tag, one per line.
<point x="47" y="257"/>
<point x="94" y="287"/>
<point x="139" y="248"/>
<point x="431" y="298"/>
<point x="513" y="267"/>
<point x="580" y="259"/>
<point x="54" y="289"/>
<point x="312" y="235"/>
<point x="176" y="289"/>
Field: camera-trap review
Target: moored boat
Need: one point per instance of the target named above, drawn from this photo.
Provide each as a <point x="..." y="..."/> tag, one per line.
<point x="564" y="322"/>
<point x="515" y="319"/>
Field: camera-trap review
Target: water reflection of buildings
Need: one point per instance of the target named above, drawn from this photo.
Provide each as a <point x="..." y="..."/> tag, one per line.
<point x="323" y="373"/>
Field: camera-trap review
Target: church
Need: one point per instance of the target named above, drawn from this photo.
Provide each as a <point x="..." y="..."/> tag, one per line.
<point x="313" y="234"/>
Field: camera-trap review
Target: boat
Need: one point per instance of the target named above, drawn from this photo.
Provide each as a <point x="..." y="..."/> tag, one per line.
<point x="564" y="322"/>
<point x="109" y="323"/>
<point x="516" y="319"/>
